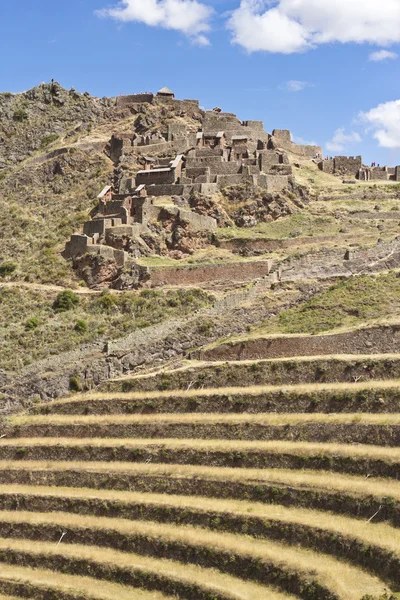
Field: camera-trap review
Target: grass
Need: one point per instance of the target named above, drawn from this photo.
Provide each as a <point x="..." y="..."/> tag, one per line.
<point x="269" y="419"/>
<point x="210" y="580"/>
<point x="284" y="447"/>
<point x="43" y="580"/>
<point x="347" y="303"/>
<point x="298" y="224"/>
<point x="356" y="302"/>
<point x="251" y="390"/>
<point x="207" y="256"/>
<point x="305" y="479"/>
<point x="40" y="210"/>
<point x="106" y="317"/>
<point x="193" y="366"/>
<point x="380" y="534"/>
<point x="347" y="582"/>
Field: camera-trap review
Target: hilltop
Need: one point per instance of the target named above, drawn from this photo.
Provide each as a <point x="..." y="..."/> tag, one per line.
<point x="199" y="359"/>
<point x="195" y="210"/>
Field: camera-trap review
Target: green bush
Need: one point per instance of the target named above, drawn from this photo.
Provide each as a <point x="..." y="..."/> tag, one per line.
<point x="75" y="384"/>
<point x="81" y="326"/>
<point x="48" y="139"/>
<point x="6" y="268"/>
<point x="205" y="327"/>
<point x="20" y="114"/>
<point x="107" y="301"/>
<point x="65" y="300"/>
<point x="32" y="323"/>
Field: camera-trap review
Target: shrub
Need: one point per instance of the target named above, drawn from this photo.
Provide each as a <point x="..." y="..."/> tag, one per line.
<point x="20" y="452"/>
<point x="48" y="139"/>
<point x="6" y="268"/>
<point x="81" y="326"/>
<point x="75" y="384"/>
<point x="107" y="301"/>
<point x="32" y="323"/>
<point x="205" y="327"/>
<point x="20" y="114"/>
<point x="65" y="300"/>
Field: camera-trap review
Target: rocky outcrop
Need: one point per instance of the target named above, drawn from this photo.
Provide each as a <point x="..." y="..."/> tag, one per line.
<point x="42" y="116"/>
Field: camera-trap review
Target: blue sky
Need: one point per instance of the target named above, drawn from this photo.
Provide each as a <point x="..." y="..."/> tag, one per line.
<point x="296" y="64"/>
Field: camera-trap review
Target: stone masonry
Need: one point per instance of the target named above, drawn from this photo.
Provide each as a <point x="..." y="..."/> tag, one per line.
<point x="352" y="166"/>
<point x="176" y="163"/>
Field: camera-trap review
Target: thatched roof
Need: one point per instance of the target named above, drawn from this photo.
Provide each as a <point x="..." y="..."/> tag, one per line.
<point x="166" y="91"/>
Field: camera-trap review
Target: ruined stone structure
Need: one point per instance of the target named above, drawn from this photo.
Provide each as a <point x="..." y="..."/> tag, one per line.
<point x="224" y="151"/>
<point x="283" y="139"/>
<point x="352" y="166"/>
<point x="116" y="231"/>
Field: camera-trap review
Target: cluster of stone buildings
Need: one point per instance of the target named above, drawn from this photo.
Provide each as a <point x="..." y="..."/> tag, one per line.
<point x="223" y="151"/>
<point x="352" y="166"/>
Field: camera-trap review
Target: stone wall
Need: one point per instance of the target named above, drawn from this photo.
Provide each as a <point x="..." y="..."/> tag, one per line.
<point x="194" y="172"/>
<point x="198" y="222"/>
<point x="195" y="275"/>
<point x="203" y="161"/>
<point x="205" y="152"/>
<point x="379" y="174"/>
<point x="273" y="183"/>
<point x="225" y="168"/>
<point x="156" y="177"/>
<point x="347" y="165"/>
<point x="283" y="138"/>
<point x="214" y="122"/>
<point x="165" y="190"/>
<point x="79" y="245"/>
<point x="338" y="262"/>
<point x="134" y="99"/>
<point x="363" y="341"/>
<point x="90" y="228"/>
<point x="267" y="158"/>
<point x="255" y="125"/>
<point x="176" y="130"/>
<point x="208" y="189"/>
<point x="327" y="166"/>
<point x="119" y="145"/>
<point x="223" y="180"/>
<point x="190" y="107"/>
<point x="262" y="245"/>
<point x="177" y="146"/>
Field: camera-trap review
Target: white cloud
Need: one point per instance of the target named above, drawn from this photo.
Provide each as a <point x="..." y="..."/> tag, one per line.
<point x="341" y="140"/>
<point x="271" y="30"/>
<point x="382" y="55"/>
<point x="384" y="119"/>
<point x="289" y="26"/>
<point x="201" y="40"/>
<point x="303" y="142"/>
<point x="188" y="16"/>
<point x="296" y="86"/>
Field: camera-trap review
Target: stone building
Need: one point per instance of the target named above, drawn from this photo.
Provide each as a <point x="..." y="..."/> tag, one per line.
<point x="352" y="166"/>
<point x="223" y="152"/>
<point x="161" y="175"/>
<point x="166" y="93"/>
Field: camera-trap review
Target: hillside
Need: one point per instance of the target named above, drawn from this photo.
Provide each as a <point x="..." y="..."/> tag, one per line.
<point x="199" y="359"/>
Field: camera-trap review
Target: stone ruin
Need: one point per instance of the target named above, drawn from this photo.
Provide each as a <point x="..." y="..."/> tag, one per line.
<point x="223" y="152"/>
<point x="352" y="166"/>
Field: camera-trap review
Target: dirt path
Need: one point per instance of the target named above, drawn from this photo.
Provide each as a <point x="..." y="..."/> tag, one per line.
<point x="47" y="288"/>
